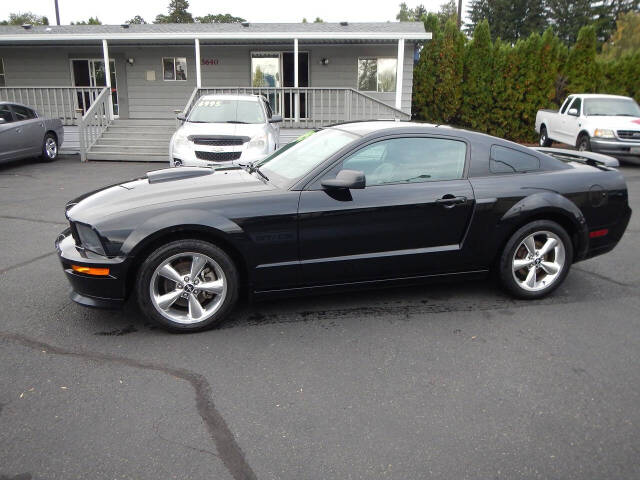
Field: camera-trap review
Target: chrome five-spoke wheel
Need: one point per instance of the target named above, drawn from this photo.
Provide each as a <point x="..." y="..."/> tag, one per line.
<point x="188" y="288"/>
<point x="538" y="261"/>
<point x="51" y="147"/>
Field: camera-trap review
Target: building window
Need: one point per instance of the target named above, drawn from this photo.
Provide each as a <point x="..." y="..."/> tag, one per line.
<point x="377" y="74"/>
<point x="2" y="83"/>
<point x="174" y="68"/>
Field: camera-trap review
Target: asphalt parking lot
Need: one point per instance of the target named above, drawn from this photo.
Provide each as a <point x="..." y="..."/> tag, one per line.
<point x="453" y="381"/>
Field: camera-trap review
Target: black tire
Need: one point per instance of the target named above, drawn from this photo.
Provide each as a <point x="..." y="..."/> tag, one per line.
<point x="49" y="148"/>
<point x="545" y="141"/>
<point x="144" y="285"/>
<point x="583" y="144"/>
<point x="507" y="273"/>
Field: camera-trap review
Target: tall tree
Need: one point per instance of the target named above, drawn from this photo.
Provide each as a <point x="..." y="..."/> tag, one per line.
<point x="137" y="20"/>
<point x="407" y="14"/>
<point x="607" y="13"/>
<point x="23" y="18"/>
<point x="177" y="13"/>
<point x="510" y="20"/>
<point x="626" y="38"/>
<point x="220" y="18"/>
<point x="449" y="72"/>
<point x="581" y="69"/>
<point x="91" y="21"/>
<point x="568" y="17"/>
<point x="424" y="72"/>
<point x="478" y="77"/>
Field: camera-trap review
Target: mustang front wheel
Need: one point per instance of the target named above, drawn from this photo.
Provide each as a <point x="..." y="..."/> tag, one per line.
<point x="187" y="285"/>
<point x="536" y="259"/>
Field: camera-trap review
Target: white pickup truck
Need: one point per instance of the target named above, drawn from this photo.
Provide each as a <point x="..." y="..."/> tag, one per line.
<point x="608" y="124"/>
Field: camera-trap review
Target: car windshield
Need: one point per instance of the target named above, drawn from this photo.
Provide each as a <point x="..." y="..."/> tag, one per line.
<point x="299" y="157"/>
<point x="611" y="107"/>
<point x="209" y="110"/>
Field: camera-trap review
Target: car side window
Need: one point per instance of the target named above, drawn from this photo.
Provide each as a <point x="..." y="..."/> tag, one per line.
<point x="509" y="160"/>
<point x="408" y="160"/>
<point x="566" y="104"/>
<point x="577" y="103"/>
<point x="5" y="113"/>
<point x="22" y="113"/>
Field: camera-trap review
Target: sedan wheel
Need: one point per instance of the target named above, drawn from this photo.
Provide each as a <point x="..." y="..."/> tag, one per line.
<point x="536" y="259"/>
<point x="49" y="148"/>
<point x="187" y="285"/>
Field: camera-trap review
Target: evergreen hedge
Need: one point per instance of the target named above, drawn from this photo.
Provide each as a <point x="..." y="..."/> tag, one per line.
<point x="498" y="87"/>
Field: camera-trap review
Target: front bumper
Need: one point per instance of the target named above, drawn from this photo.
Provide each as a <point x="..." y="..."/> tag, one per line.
<point x="615" y="147"/>
<point x="88" y="290"/>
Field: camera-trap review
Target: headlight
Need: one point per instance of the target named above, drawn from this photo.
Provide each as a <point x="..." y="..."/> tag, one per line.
<point x="180" y="141"/>
<point x="89" y="238"/>
<point x="259" y="142"/>
<point x="603" y="133"/>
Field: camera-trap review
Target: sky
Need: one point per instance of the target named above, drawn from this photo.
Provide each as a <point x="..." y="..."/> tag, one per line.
<point x="116" y="12"/>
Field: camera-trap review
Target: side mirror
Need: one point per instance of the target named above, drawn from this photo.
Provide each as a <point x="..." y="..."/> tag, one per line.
<point x="573" y="112"/>
<point x="181" y="117"/>
<point x="2" y="120"/>
<point x="275" y="119"/>
<point x="346" y="179"/>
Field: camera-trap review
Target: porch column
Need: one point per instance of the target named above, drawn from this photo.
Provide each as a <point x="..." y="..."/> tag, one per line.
<point x="295" y="80"/>
<point x="107" y="74"/>
<point x="198" y="67"/>
<point x="399" y="72"/>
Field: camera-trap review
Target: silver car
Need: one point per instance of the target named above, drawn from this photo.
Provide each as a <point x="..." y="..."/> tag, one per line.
<point x="24" y="134"/>
<point x="223" y="129"/>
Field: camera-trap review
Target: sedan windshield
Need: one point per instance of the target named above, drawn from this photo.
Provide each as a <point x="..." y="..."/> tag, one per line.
<point x="301" y="156"/>
<point x="611" y="107"/>
<point x="226" y="111"/>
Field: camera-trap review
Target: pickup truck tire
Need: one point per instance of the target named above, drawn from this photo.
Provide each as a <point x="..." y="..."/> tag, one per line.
<point x="49" y="148"/>
<point x="583" y="145"/>
<point x="545" y="141"/>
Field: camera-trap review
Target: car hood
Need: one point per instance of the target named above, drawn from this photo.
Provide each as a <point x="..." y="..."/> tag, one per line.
<point x="231" y="129"/>
<point x="172" y="186"/>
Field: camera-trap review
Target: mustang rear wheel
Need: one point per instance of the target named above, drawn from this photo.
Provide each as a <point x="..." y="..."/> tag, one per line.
<point x="187" y="285"/>
<point x="536" y="259"/>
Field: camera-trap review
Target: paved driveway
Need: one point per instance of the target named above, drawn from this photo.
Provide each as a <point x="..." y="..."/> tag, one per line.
<point x="454" y="381"/>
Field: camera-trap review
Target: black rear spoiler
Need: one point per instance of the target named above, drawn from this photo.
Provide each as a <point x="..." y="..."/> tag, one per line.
<point x="590" y="158"/>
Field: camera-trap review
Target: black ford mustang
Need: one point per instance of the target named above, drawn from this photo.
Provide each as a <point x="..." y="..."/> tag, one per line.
<point x="354" y="204"/>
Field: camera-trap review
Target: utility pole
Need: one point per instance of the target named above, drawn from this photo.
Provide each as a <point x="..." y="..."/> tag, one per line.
<point x="459" y="13"/>
<point x="57" y="13"/>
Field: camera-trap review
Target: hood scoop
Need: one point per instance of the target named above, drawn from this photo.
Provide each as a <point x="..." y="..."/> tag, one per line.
<point x="179" y="173"/>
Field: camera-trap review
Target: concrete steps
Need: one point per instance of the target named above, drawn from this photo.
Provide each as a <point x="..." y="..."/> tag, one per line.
<point x="139" y="140"/>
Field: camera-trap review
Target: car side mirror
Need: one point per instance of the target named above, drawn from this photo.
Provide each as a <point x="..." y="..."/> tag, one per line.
<point x="573" y="112"/>
<point x="275" y="119"/>
<point x="2" y="120"/>
<point x="181" y="117"/>
<point x="346" y="179"/>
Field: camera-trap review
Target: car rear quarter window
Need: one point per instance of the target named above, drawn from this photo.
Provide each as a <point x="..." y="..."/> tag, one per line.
<point x="504" y="160"/>
<point x="23" y="113"/>
<point x="5" y="113"/>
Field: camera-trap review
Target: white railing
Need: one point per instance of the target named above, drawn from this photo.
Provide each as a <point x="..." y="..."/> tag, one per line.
<point x="65" y="103"/>
<point x="317" y="107"/>
<point x="94" y="122"/>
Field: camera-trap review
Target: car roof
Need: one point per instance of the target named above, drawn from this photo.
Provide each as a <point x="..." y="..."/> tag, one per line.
<point x="5" y="102"/>
<point x="229" y="96"/>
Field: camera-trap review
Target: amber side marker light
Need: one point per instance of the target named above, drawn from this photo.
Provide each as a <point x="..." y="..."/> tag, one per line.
<point x="598" y="233"/>
<point x="99" y="272"/>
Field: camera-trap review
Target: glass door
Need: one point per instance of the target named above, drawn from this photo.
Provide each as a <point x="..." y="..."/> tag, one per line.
<point x="266" y="73"/>
<point x="90" y="73"/>
<point x="288" y="80"/>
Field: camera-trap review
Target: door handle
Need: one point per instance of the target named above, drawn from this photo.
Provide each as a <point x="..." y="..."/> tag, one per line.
<point x="450" y="201"/>
<point x="18" y="130"/>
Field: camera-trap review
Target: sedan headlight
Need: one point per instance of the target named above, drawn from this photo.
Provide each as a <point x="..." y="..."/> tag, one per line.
<point x="89" y="238"/>
<point x="259" y="142"/>
<point x="603" y="133"/>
